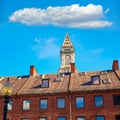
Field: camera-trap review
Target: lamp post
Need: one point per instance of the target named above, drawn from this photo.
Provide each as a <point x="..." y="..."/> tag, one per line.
<point x="7" y="91"/>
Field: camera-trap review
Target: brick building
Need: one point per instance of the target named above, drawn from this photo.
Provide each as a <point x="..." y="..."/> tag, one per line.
<point x="67" y="95"/>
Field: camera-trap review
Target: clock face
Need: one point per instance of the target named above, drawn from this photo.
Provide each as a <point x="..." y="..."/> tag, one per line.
<point x="67" y="59"/>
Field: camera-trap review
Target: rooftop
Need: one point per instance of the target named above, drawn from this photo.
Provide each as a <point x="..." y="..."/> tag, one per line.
<point x="63" y="83"/>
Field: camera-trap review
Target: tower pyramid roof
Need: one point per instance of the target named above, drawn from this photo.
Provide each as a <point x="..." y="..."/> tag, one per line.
<point x="67" y="46"/>
<point x="67" y="42"/>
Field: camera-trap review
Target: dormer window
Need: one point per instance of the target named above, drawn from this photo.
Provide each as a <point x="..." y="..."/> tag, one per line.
<point x="96" y="80"/>
<point x="45" y="83"/>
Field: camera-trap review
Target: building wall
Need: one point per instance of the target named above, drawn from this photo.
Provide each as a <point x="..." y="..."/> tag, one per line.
<point x="90" y="111"/>
<point x="52" y="112"/>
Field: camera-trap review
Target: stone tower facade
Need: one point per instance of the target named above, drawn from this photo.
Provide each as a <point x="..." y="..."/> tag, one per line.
<point x="67" y="55"/>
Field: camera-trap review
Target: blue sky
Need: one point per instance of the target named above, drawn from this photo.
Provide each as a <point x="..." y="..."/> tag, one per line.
<point x="32" y="32"/>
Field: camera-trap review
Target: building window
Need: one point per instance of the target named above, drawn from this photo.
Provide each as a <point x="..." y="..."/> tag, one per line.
<point x="61" y="102"/>
<point x="101" y="117"/>
<point x="98" y="101"/>
<point x="116" y="99"/>
<point x="117" y="117"/>
<point x="43" y="103"/>
<point x="25" y="118"/>
<point x="80" y="118"/>
<point x="26" y="104"/>
<point x="45" y="83"/>
<point x="43" y="119"/>
<point x="95" y="80"/>
<point x="79" y="102"/>
<point x="61" y="118"/>
<point x="10" y="104"/>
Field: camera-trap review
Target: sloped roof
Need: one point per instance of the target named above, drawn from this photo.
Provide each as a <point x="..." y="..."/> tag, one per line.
<point x="32" y="84"/>
<point x="76" y="82"/>
<point x="67" y="41"/>
<point x="82" y="82"/>
<point x="67" y="44"/>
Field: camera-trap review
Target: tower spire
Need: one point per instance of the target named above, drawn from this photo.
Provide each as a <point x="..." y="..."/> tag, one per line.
<point x="67" y="55"/>
<point x="67" y="41"/>
<point x="67" y="45"/>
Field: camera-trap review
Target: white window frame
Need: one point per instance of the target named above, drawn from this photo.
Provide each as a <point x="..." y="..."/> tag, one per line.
<point x="26" y="105"/>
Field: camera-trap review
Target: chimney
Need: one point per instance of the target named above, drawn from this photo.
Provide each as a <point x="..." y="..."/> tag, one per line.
<point x="115" y="65"/>
<point x="72" y="67"/>
<point x="33" y="71"/>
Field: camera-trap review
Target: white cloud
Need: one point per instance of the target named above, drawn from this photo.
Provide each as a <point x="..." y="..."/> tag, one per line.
<point x="74" y="16"/>
<point x="107" y="10"/>
<point x="46" y="48"/>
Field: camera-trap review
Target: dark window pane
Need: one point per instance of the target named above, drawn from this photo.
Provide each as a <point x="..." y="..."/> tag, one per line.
<point x="116" y="100"/>
<point x="25" y="119"/>
<point x="45" y="84"/>
<point x="100" y="118"/>
<point x="95" y="80"/>
<point x="43" y="103"/>
<point x="79" y="102"/>
<point x="81" y="118"/>
<point x="10" y="103"/>
<point x="26" y="104"/>
<point x="98" y="100"/>
<point x="117" y="117"/>
<point x="61" y="102"/>
<point x="61" y="118"/>
<point x="43" y="119"/>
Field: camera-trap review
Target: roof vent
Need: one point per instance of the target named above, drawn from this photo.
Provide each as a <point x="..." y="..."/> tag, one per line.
<point x="60" y="75"/>
<point x="56" y="80"/>
<point x="18" y="78"/>
<point x="103" y="72"/>
<point x="43" y="76"/>
<point x="38" y="77"/>
<point x="1" y="78"/>
<point x="82" y="74"/>
<point x="106" y="81"/>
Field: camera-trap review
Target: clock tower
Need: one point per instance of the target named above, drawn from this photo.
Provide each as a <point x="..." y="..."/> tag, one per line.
<point x="67" y="55"/>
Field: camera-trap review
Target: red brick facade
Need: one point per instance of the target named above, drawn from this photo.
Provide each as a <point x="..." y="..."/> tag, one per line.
<point x="109" y="110"/>
<point x="35" y="113"/>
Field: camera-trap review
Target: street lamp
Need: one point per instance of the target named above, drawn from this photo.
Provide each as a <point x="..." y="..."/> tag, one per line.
<point x="7" y="91"/>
